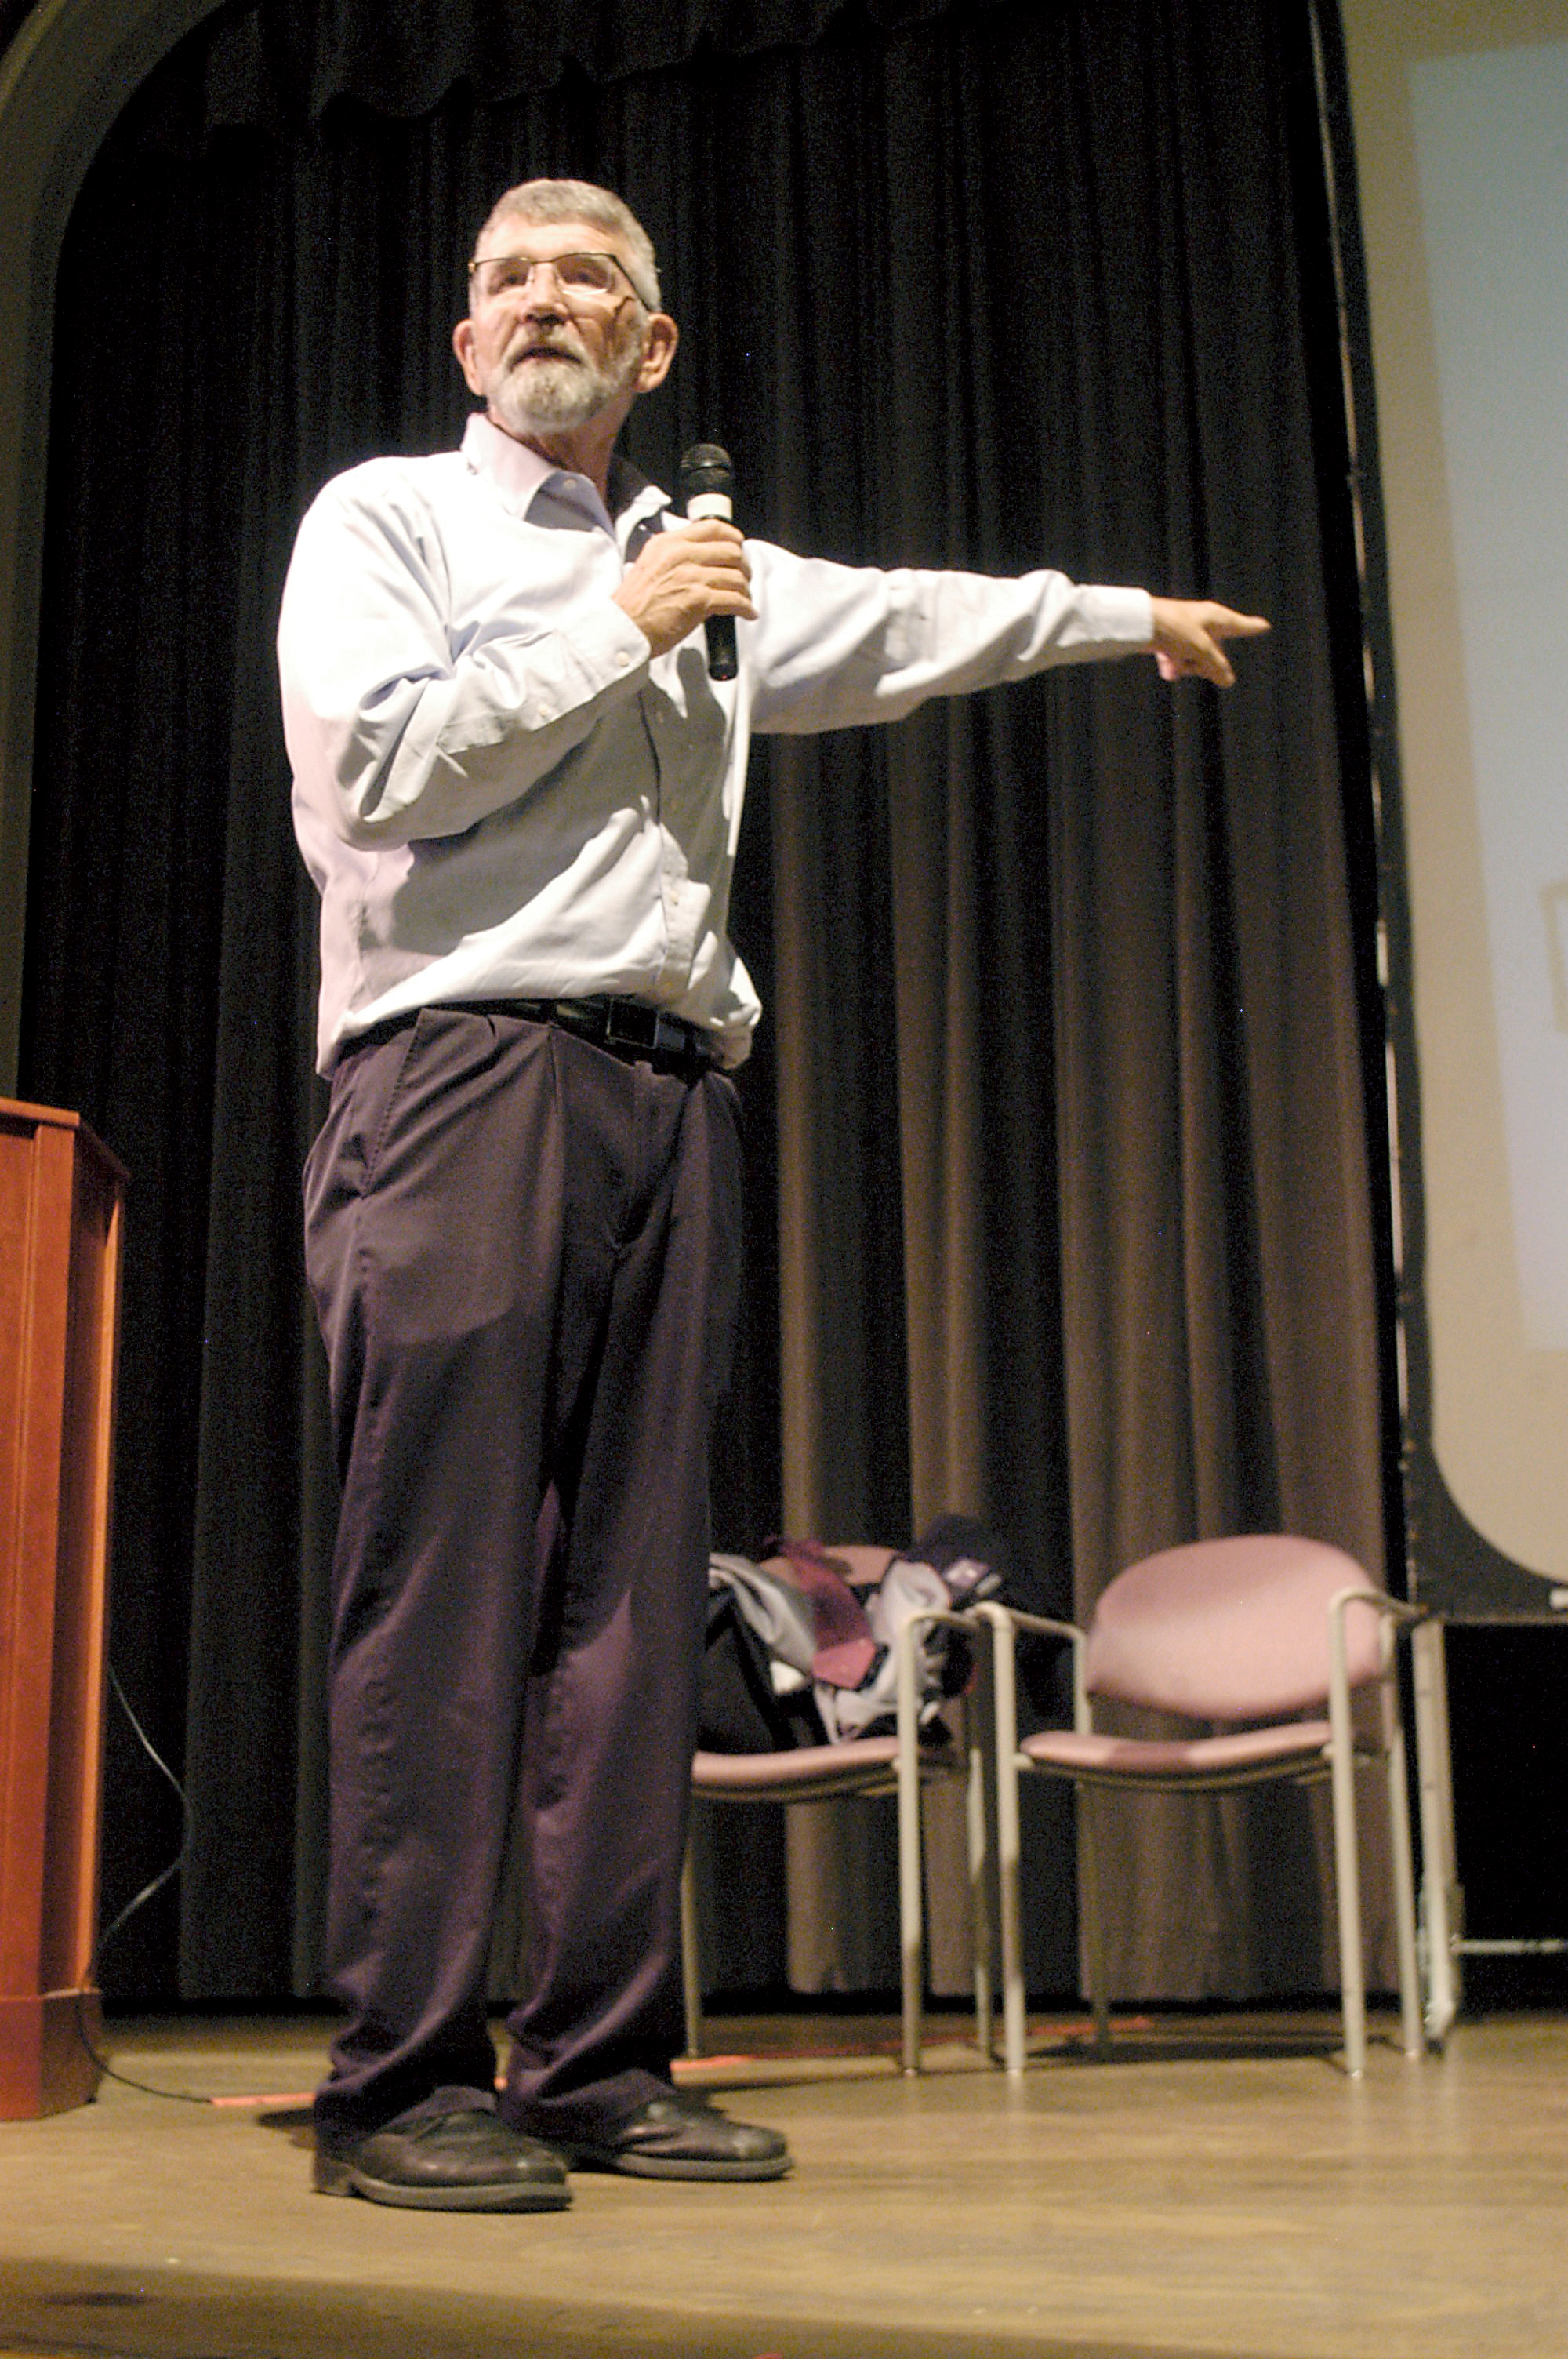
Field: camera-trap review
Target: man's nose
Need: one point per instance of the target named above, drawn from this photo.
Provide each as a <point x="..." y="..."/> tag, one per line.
<point x="543" y="292"/>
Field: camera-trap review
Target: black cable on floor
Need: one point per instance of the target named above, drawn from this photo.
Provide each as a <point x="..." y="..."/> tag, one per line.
<point x="148" y="1892"/>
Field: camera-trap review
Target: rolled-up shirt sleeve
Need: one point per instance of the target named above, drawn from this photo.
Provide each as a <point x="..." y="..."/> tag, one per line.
<point x="837" y="646"/>
<point x="400" y="729"/>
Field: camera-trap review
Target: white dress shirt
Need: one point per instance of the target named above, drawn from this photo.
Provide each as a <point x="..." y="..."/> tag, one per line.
<point x="499" y="793"/>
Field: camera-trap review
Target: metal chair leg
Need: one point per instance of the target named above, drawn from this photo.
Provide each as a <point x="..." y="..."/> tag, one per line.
<point x="1346" y="1869"/>
<point x="910" y="1865"/>
<point x="1094" y="1920"/>
<point x="980" y="1899"/>
<point x="1004" y="1677"/>
<point x="690" y="1956"/>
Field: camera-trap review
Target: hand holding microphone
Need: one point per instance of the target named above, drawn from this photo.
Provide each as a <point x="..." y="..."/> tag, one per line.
<point x="695" y="574"/>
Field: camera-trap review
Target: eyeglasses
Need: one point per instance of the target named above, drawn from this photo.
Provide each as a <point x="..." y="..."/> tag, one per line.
<point x="586" y="281"/>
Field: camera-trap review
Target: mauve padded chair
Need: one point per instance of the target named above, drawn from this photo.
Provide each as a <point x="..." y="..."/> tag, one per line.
<point x="868" y="1767"/>
<point x="1235" y="1631"/>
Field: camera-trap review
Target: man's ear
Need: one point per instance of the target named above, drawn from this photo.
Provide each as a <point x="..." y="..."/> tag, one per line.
<point x="658" y="352"/>
<point x="462" y="344"/>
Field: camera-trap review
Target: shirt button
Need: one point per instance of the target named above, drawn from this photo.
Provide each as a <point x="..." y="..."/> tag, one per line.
<point x="546" y="712"/>
<point x="622" y="659"/>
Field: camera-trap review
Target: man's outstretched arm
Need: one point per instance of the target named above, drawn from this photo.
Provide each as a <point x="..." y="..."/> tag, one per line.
<point x="836" y="647"/>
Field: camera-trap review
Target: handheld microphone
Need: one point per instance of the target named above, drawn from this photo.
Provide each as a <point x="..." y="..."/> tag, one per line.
<point x="707" y="487"/>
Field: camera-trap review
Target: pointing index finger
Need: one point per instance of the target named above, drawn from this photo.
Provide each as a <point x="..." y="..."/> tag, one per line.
<point x="1232" y="626"/>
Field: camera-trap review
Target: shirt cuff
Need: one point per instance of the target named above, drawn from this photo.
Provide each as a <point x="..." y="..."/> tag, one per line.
<point x="608" y="646"/>
<point x="1118" y="617"/>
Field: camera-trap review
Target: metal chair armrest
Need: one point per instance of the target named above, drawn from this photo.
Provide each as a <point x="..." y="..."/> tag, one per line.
<point x="1394" y="1609"/>
<point x="1007" y="1621"/>
<point x="1398" y="1619"/>
<point x="908" y="1692"/>
<point x="1015" y="1616"/>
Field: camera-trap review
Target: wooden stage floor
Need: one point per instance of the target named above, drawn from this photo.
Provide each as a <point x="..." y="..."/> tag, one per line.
<point x="1219" y="2190"/>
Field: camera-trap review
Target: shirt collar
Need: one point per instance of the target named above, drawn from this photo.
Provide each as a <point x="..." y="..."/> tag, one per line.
<point x="520" y="474"/>
<point x="510" y="466"/>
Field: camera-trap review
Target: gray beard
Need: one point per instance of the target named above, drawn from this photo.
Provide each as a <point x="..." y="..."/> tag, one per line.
<point x="557" y="395"/>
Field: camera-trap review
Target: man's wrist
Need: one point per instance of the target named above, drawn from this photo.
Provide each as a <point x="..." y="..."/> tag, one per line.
<point x="617" y="599"/>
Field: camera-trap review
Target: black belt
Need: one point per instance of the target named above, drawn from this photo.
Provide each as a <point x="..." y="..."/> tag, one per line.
<point x="627" y="1029"/>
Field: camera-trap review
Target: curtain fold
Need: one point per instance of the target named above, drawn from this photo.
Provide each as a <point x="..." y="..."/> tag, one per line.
<point x="1056" y="1152"/>
<point x="277" y="65"/>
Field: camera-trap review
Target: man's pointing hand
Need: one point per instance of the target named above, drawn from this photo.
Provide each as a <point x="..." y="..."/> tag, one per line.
<point x="1188" y="633"/>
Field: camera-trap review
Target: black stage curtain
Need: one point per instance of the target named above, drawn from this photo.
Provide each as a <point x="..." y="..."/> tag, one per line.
<point x="1057" y="1138"/>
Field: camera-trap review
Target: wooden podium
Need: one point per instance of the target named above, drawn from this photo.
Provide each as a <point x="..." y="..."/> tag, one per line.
<point x="60" y="1198"/>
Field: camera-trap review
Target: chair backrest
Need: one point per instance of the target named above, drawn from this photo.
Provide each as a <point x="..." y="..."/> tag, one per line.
<point x="1231" y="1629"/>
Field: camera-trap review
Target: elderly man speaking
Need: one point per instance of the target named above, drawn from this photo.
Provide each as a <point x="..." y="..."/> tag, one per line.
<point x="518" y="791"/>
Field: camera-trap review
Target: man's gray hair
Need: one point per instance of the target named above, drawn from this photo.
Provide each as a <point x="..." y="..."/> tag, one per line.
<point x="581" y="201"/>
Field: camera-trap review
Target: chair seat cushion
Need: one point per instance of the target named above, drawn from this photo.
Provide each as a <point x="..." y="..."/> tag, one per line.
<point x="870" y="1764"/>
<point x="1177" y="1759"/>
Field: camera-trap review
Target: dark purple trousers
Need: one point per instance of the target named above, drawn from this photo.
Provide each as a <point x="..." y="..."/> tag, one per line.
<point x="524" y="1260"/>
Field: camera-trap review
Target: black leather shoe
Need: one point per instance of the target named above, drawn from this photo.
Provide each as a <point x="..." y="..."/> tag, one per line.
<point x="681" y="2136"/>
<point x="466" y="2160"/>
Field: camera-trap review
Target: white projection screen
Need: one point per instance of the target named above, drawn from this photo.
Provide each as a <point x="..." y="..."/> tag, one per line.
<point x="1460" y="125"/>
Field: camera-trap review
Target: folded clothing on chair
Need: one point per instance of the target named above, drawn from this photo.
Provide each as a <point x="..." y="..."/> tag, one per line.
<point x="807" y="1658"/>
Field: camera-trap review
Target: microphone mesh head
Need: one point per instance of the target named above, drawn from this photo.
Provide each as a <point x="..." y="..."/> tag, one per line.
<point x="706" y="468"/>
